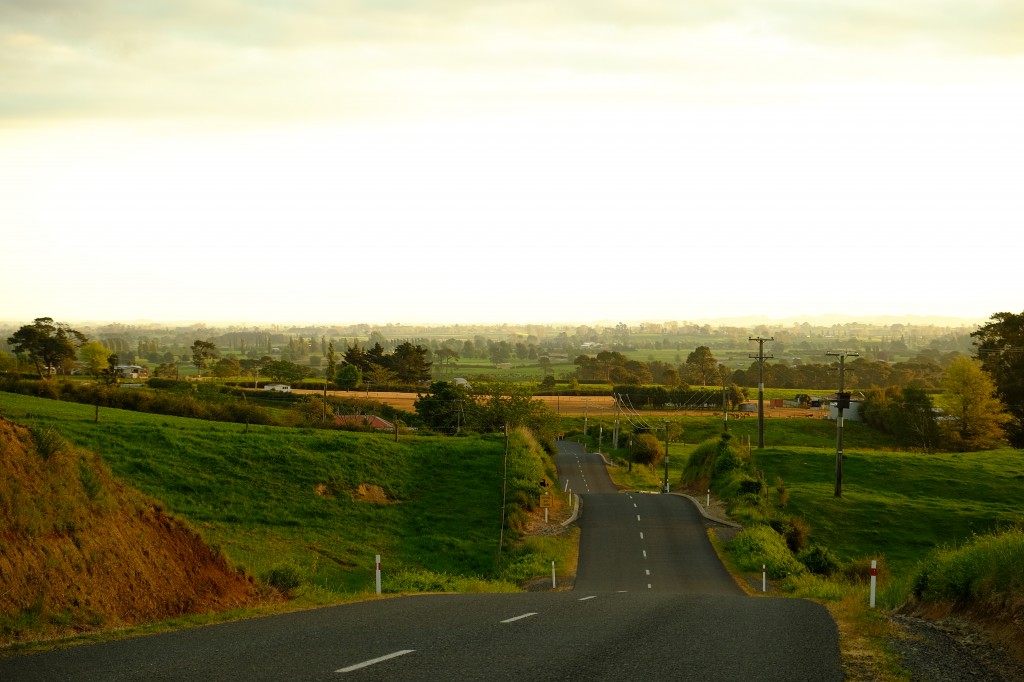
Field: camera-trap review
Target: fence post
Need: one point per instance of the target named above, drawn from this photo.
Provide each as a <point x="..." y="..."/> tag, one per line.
<point x="378" y="574"/>
<point x="764" y="579"/>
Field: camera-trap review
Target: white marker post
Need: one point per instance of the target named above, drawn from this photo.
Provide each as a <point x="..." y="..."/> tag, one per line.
<point x="553" y="586"/>
<point x="378" y="574"/>
<point x="764" y="579"/>
<point x="709" y="498"/>
<point x="874" y="578"/>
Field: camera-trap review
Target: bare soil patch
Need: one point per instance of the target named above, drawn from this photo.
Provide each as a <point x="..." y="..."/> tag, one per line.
<point x="84" y="553"/>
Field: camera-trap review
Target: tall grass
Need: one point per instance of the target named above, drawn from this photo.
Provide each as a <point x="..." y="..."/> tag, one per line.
<point x="986" y="569"/>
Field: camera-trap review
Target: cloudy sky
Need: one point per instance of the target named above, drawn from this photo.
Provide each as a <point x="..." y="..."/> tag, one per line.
<point x="326" y="161"/>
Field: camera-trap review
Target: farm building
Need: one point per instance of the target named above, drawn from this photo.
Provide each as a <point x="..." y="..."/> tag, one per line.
<point x="284" y="388"/>
<point x="131" y="371"/>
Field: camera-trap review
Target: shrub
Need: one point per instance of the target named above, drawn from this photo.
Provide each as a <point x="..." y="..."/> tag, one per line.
<point x="819" y="560"/>
<point x="797" y="532"/>
<point x="859" y="570"/>
<point x="284" y="577"/>
<point x="760" y="545"/>
<point x="751" y="486"/>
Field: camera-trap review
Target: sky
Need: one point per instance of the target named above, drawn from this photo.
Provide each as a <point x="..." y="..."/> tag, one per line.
<point x="517" y="161"/>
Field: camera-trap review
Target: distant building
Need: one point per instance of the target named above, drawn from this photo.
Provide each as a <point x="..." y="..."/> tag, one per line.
<point x="283" y="388"/>
<point x="131" y="371"/>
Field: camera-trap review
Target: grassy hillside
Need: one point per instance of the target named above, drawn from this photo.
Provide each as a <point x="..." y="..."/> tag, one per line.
<point x="900" y="505"/>
<point x="312" y="506"/>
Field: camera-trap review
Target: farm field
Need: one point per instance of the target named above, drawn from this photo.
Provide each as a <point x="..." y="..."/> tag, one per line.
<point x="571" y="405"/>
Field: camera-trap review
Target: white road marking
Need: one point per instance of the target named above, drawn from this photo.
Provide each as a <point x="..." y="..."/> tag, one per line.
<point x="648" y="586"/>
<point x="593" y="596"/>
<point x="374" y="661"/>
<point x="645" y="553"/>
<point x="641" y="535"/>
<point x="525" y="615"/>
<point x="637" y="517"/>
<point x="648" y="571"/>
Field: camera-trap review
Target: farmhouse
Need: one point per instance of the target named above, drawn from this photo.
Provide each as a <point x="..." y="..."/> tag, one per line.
<point x="284" y="388"/>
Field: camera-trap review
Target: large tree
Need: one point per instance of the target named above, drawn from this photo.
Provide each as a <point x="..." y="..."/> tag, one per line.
<point x="975" y="417"/>
<point x="202" y="353"/>
<point x="701" y="366"/>
<point x="1000" y="345"/>
<point x="47" y="344"/>
<point x="93" y="355"/>
<point x="410" y="363"/>
<point x="448" y="408"/>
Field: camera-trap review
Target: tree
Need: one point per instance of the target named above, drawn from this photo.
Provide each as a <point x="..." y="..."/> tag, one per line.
<point x="47" y="344"/>
<point x="285" y="371"/>
<point x="647" y="450"/>
<point x="410" y="363"/>
<point x="448" y="408"/>
<point x="445" y="355"/>
<point x="348" y="377"/>
<point x="93" y="355"/>
<point x="701" y="365"/>
<point x="1000" y="345"/>
<point x="380" y="376"/>
<point x="202" y="353"/>
<point x="227" y="367"/>
<point x="906" y="413"/>
<point x="332" y="364"/>
<point x="976" y="418"/>
<point x="8" y="363"/>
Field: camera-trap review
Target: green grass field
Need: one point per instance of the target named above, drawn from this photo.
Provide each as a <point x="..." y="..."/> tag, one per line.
<point x="900" y="505"/>
<point x="283" y="496"/>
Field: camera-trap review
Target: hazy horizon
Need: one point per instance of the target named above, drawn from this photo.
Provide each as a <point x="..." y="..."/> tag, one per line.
<point x="754" y="321"/>
<point x="512" y="162"/>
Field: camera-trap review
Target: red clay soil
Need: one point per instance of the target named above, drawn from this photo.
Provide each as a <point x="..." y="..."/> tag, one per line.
<point x="80" y="551"/>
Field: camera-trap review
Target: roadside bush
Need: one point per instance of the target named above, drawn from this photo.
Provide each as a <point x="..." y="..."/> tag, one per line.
<point x="819" y="560"/>
<point x="859" y="570"/>
<point x="285" y="578"/>
<point x="759" y="545"/>
<point x="983" y="569"/>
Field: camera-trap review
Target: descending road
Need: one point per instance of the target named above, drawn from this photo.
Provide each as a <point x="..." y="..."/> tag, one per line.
<point x="636" y="541"/>
<point x="651" y="602"/>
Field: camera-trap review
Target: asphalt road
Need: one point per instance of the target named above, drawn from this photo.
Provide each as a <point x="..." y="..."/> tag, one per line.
<point x="649" y="604"/>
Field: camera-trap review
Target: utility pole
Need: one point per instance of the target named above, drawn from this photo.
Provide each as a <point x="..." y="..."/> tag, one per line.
<point x="666" y="456"/>
<point x="725" y="408"/>
<point x="760" y="385"/>
<point x="615" y="433"/>
<point x="843" y="402"/>
<point x="504" y="492"/>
